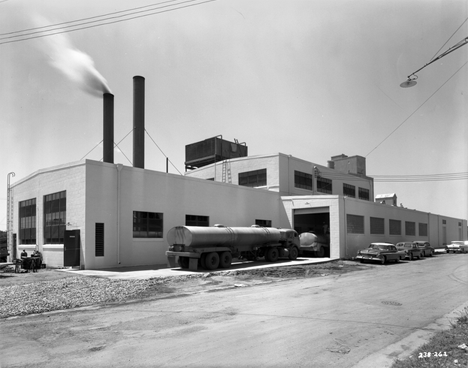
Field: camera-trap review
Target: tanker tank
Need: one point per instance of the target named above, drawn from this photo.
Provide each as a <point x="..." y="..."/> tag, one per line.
<point x="193" y="236"/>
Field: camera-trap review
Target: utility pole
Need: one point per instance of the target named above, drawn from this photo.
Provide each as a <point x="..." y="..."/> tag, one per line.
<point x="10" y="219"/>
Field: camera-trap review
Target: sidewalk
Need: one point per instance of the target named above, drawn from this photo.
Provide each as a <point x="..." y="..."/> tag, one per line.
<point x="148" y="272"/>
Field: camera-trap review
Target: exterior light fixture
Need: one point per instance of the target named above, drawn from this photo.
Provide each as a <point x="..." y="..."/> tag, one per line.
<point x="411" y="81"/>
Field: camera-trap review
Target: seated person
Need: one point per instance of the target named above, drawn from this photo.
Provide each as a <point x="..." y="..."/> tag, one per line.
<point x="24" y="254"/>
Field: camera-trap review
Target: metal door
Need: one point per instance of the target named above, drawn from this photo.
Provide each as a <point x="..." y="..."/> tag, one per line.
<point x="71" y="248"/>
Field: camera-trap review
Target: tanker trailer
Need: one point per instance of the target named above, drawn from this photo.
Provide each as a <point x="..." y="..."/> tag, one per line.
<point x="213" y="247"/>
<point x="317" y="244"/>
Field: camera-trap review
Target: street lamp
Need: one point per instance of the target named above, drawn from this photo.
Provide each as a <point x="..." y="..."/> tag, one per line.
<point x="411" y="81"/>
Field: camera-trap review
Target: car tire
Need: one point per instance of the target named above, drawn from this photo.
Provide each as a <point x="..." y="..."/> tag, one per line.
<point x="383" y="260"/>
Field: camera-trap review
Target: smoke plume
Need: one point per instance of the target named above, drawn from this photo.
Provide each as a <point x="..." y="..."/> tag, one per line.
<point x="75" y="64"/>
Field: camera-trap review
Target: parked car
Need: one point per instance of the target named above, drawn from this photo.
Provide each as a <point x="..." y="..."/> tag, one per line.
<point x="411" y="250"/>
<point x="457" y="246"/>
<point x="426" y="249"/>
<point x="380" y="252"/>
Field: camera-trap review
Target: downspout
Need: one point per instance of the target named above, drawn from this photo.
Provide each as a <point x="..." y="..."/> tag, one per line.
<point x="345" y="227"/>
<point x="119" y="169"/>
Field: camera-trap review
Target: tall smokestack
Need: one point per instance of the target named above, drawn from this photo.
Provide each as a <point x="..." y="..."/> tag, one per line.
<point x="108" y="136"/>
<point x="139" y="122"/>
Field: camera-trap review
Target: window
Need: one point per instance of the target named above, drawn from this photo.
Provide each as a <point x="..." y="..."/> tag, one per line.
<point x="99" y="240"/>
<point x="27" y="221"/>
<point x="147" y="224"/>
<point x="195" y="220"/>
<point x="55" y="215"/>
<point x="395" y="227"/>
<point x="255" y="178"/>
<point x="263" y="223"/>
<point x="444" y="222"/>
<point x="363" y="194"/>
<point x="422" y="229"/>
<point x="355" y="224"/>
<point x="377" y="225"/>
<point x="324" y="185"/>
<point x="302" y="180"/>
<point x="349" y="190"/>
<point x="410" y="228"/>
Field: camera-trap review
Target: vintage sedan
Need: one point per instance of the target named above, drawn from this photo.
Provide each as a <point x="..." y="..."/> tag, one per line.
<point x="426" y="249"/>
<point x="411" y="250"/>
<point x="457" y="246"/>
<point x="380" y="252"/>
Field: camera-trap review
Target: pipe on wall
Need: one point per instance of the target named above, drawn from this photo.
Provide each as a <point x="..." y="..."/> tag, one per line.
<point x="108" y="135"/>
<point x="139" y="122"/>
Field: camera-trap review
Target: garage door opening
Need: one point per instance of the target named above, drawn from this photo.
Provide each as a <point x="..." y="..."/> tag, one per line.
<point x="316" y="221"/>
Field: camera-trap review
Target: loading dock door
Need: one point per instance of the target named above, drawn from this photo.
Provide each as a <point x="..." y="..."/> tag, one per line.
<point x="71" y="248"/>
<point x="316" y="220"/>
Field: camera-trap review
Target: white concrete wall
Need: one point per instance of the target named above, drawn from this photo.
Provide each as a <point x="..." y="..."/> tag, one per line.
<point x="71" y="178"/>
<point x="344" y="245"/>
<point x="280" y="174"/>
<point x="292" y="203"/>
<point x="174" y="196"/>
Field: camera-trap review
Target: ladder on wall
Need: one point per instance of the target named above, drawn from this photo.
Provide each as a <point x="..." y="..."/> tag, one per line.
<point x="226" y="178"/>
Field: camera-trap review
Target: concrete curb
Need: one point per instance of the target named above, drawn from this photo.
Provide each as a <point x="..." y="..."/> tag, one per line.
<point x="402" y="349"/>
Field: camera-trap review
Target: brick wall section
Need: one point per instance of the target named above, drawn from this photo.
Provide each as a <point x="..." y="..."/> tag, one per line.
<point x="71" y="178"/>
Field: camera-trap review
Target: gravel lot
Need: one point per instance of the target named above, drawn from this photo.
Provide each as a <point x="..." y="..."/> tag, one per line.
<point x="51" y="290"/>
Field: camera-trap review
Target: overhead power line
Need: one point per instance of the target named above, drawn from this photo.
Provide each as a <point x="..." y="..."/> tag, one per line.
<point x="106" y="19"/>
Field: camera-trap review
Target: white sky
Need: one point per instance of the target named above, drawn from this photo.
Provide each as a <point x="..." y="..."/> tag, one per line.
<point x="311" y="78"/>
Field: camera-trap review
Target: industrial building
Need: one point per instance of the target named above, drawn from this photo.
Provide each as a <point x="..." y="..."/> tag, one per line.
<point x="98" y="215"/>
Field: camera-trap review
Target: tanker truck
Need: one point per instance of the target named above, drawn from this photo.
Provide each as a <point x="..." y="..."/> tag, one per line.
<point x="213" y="247"/>
<point x="317" y="244"/>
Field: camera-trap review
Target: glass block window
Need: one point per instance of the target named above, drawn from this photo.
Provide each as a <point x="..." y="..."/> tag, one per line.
<point x="55" y="216"/>
<point x="349" y="190"/>
<point x="256" y="178"/>
<point x="355" y="224"/>
<point x="422" y="229"/>
<point x="27" y="221"/>
<point x="302" y="180"/>
<point x="263" y="223"/>
<point x="147" y="224"/>
<point x="410" y="228"/>
<point x="196" y="220"/>
<point x="395" y="227"/>
<point x="324" y="185"/>
<point x="377" y="225"/>
<point x="363" y="194"/>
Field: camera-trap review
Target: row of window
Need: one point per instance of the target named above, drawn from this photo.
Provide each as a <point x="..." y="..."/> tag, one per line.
<point x="151" y="225"/>
<point x="55" y="208"/>
<point x="355" y="225"/>
<point x="304" y="181"/>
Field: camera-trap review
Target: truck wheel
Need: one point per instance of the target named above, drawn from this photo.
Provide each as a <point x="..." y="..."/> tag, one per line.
<point x="272" y="255"/>
<point x="293" y="253"/>
<point x="184" y="262"/>
<point x="212" y="261"/>
<point x="225" y="259"/>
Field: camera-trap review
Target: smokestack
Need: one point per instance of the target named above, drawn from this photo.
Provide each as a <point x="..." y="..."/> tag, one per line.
<point x="108" y="136"/>
<point x="139" y="122"/>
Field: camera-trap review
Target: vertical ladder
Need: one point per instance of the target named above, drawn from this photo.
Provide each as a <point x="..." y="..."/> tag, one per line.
<point x="226" y="178"/>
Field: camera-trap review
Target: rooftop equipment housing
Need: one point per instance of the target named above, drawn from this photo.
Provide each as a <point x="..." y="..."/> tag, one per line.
<point x="212" y="150"/>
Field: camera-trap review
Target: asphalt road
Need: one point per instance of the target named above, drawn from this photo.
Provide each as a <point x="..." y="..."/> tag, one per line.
<point x="332" y="321"/>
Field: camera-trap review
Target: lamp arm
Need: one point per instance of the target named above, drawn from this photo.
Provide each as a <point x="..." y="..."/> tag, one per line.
<point x="452" y="49"/>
